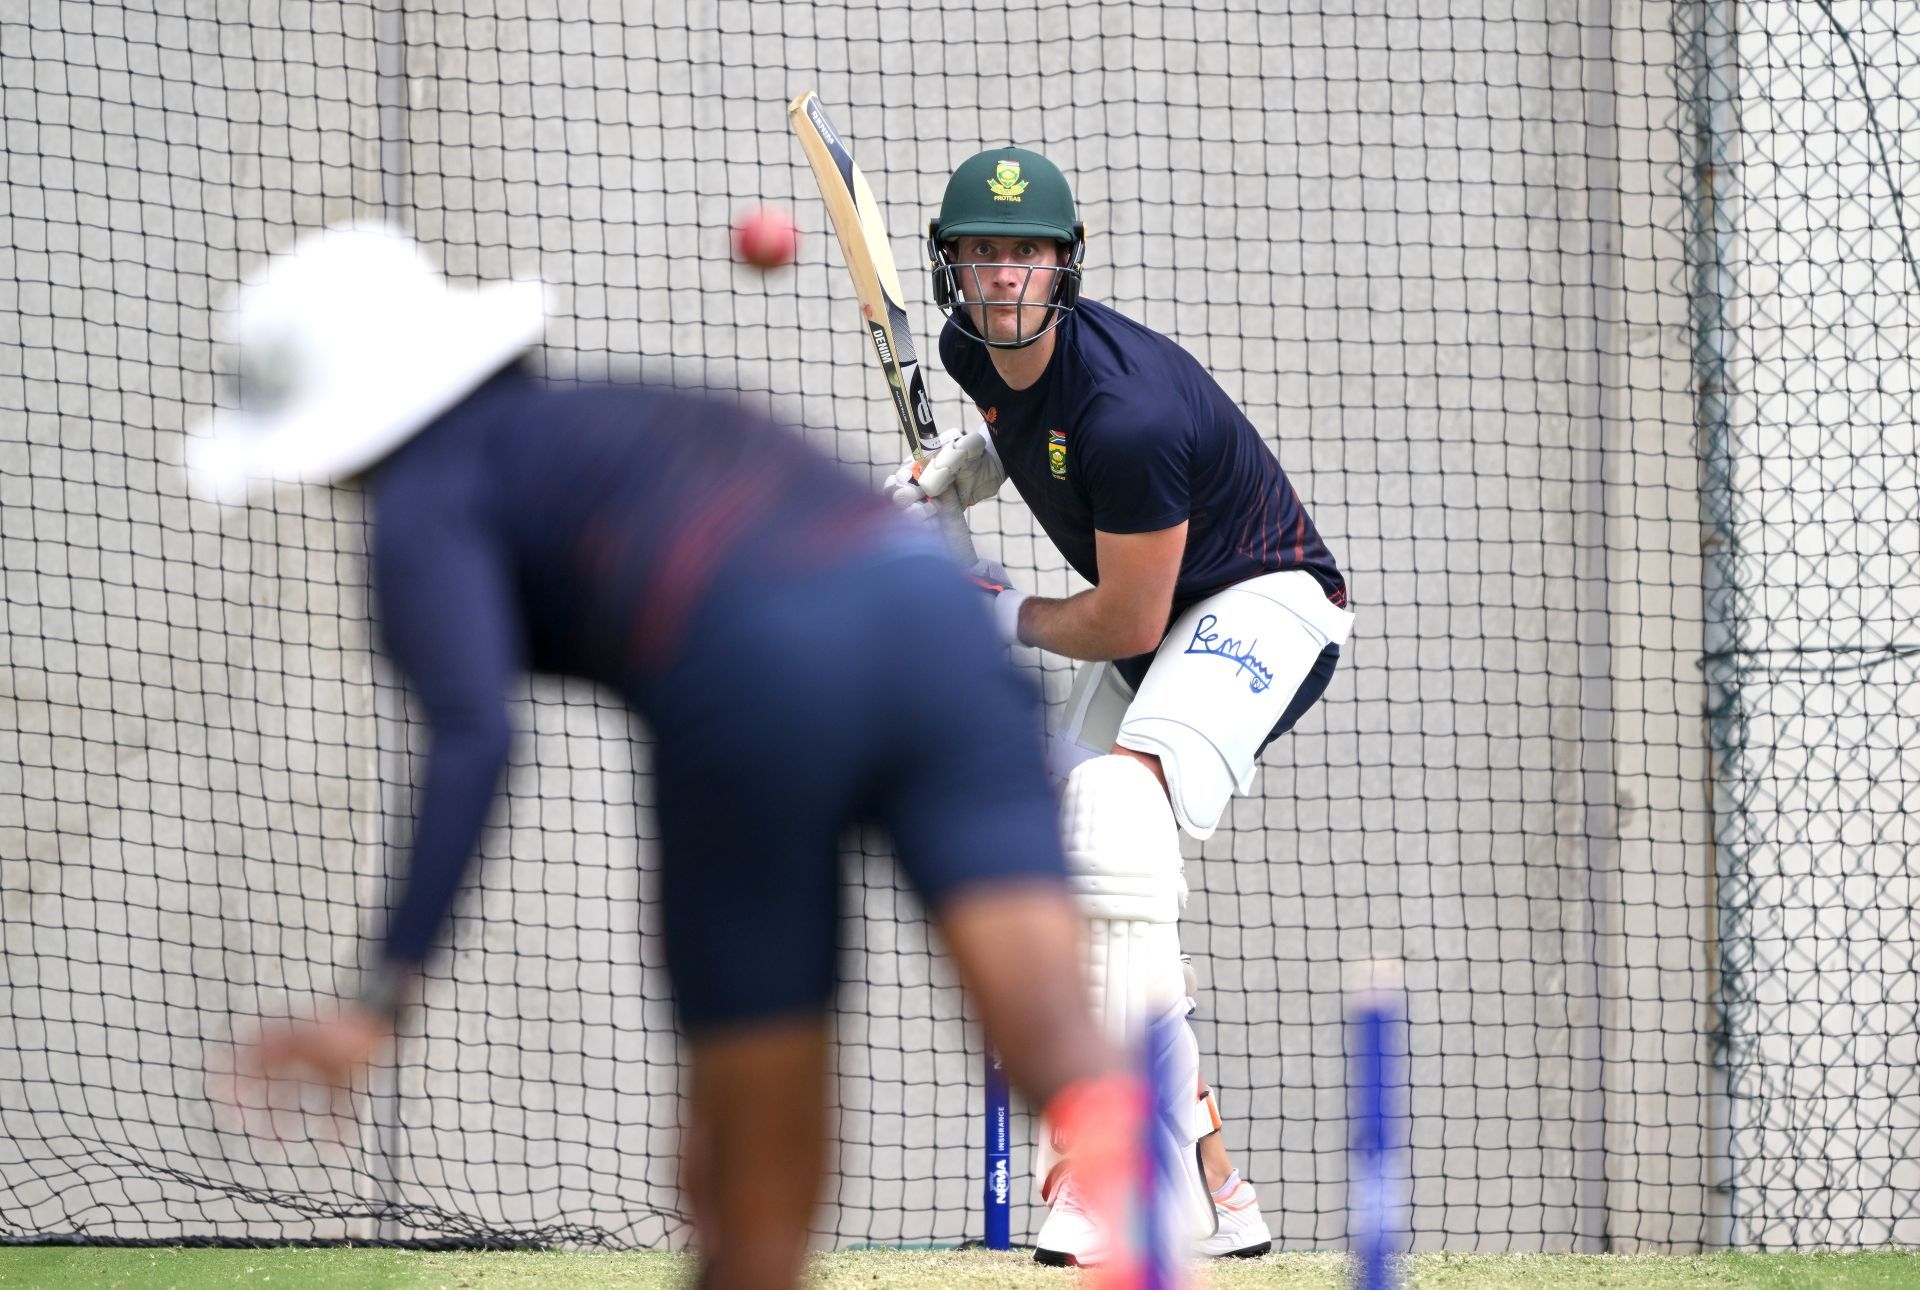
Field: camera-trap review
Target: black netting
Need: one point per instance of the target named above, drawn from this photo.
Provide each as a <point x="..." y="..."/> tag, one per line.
<point x="1529" y="295"/>
<point x="1805" y="334"/>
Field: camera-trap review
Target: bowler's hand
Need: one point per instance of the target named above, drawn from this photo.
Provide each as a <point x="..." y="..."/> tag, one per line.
<point x="333" y="1050"/>
<point x="295" y="1080"/>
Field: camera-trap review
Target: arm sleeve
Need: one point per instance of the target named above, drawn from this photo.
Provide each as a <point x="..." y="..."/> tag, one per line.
<point x="1134" y="458"/>
<point x="449" y="622"/>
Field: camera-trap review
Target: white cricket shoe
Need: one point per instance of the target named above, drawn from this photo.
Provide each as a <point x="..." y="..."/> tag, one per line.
<point x="1068" y="1238"/>
<point x="1239" y="1230"/>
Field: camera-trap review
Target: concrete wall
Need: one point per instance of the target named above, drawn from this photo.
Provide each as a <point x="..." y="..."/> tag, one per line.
<point x="1435" y="248"/>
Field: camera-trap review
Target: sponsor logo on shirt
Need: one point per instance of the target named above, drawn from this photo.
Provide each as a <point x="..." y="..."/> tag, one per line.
<point x="1006" y="184"/>
<point x="988" y="415"/>
<point x="1057" y="453"/>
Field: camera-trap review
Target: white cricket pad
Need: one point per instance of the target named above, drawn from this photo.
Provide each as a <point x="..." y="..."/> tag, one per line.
<point x="1221" y="679"/>
<point x="1123" y="851"/>
<point x="1090" y="722"/>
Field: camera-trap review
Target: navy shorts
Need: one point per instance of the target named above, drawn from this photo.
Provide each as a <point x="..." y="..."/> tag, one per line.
<point x="874" y="692"/>
<point x="1307" y="695"/>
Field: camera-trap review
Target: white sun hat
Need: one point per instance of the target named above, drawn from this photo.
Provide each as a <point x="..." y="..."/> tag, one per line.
<point x="350" y="344"/>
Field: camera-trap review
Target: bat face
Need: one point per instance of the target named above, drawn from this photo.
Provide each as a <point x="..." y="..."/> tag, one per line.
<point x="855" y="216"/>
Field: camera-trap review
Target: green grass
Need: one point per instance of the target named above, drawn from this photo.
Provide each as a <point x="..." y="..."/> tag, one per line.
<point x="161" y="1269"/>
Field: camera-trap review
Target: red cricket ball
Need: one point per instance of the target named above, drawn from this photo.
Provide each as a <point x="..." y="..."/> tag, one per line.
<point x="765" y="237"/>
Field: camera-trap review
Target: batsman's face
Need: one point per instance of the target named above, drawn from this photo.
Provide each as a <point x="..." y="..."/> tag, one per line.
<point x="1006" y="283"/>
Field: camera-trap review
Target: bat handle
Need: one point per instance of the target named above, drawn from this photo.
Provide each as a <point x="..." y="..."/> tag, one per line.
<point x="953" y="526"/>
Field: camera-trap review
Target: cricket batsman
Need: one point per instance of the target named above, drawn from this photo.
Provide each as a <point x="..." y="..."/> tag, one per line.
<point x="1214" y="620"/>
<point x="744" y="596"/>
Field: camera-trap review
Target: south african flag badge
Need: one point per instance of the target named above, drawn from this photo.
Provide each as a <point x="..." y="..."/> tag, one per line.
<point x="1057" y="453"/>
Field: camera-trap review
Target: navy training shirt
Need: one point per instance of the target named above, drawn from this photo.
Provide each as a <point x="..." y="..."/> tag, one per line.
<point x="571" y="529"/>
<point x="1125" y="432"/>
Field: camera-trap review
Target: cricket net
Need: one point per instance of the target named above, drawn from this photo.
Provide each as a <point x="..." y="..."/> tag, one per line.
<point x="1583" y="326"/>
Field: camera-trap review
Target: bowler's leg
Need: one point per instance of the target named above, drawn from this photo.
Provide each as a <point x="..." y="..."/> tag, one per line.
<point x="1020" y="948"/>
<point x="755" y="1149"/>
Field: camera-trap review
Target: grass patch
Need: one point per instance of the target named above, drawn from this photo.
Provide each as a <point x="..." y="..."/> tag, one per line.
<point x="356" y="1269"/>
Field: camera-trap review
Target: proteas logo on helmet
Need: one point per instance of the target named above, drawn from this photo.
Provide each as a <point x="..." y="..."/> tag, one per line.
<point x="1006" y="184"/>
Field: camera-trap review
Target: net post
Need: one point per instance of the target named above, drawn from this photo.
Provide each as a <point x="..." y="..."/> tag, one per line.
<point x="997" y="1192"/>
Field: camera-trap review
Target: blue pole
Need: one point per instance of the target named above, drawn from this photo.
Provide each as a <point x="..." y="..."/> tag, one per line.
<point x="1376" y="1081"/>
<point x="1162" y="1248"/>
<point x="998" y="1192"/>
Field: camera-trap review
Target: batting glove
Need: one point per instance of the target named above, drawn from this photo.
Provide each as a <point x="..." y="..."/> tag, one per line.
<point x="966" y="466"/>
<point x="992" y="579"/>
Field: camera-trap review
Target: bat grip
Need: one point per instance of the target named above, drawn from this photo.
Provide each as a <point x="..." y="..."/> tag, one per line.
<point x="953" y="527"/>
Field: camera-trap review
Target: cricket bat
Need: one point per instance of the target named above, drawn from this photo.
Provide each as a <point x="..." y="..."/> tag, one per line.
<point x="855" y="217"/>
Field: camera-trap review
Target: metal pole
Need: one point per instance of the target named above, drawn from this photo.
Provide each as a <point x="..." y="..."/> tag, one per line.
<point x="1717" y="126"/>
<point x="1594" y="633"/>
<point x="392" y="98"/>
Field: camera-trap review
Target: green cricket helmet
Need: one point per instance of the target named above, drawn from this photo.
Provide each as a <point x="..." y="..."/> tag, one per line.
<point x="1005" y="192"/>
